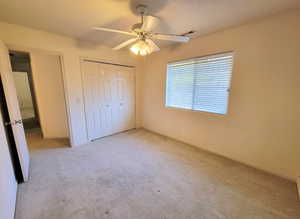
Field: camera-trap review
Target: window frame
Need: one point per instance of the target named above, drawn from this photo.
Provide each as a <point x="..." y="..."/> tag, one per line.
<point x="231" y="52"/>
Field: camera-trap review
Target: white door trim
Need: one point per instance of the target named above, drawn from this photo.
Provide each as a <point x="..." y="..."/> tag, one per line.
<point x="64" y="79"/>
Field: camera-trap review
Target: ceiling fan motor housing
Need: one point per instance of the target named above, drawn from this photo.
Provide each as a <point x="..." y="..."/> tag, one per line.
<point x="142" y="9"/>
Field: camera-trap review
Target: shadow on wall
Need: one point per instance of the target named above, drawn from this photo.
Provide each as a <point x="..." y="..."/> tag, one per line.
<point x="93" y="38"/>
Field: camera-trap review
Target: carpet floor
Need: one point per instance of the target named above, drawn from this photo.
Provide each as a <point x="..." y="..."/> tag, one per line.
<point x="142" y="175"/>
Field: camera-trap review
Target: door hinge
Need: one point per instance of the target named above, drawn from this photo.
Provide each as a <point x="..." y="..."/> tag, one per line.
<point x="7" y="123"/>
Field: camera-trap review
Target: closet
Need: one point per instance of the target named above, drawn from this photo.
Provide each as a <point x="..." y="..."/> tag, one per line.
<point x="109" y="98"/>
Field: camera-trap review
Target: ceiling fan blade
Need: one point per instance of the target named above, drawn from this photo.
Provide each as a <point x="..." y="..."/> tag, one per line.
<point x="124" y="44"/>
<point x="170" y="37"/>
<point x="153" y="46"/>
<point x="114" y="31"/>
<point x="150" y="23"/>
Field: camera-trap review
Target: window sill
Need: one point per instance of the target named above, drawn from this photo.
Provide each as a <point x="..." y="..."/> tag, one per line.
<point x="194" y="111"/>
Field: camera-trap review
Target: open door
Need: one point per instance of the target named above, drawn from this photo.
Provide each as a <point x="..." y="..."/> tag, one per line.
<point x="14" y="110"/>
<point x="8" y="183"/>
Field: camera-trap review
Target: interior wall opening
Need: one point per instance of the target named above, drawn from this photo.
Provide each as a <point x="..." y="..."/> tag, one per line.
<point x="40" y="92"/>
<point x="22" y="73"/>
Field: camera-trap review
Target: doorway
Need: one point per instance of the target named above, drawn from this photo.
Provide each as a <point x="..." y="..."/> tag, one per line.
<point x="38" y="77"/>
<point x="22" y="73"/>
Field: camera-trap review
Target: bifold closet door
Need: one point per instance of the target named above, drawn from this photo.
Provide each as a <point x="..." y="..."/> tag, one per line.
<point x="123" y="98"/>
<point x="109" y="99"/>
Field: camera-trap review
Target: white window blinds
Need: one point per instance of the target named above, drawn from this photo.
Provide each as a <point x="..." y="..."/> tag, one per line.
<point x="200" y="83"/>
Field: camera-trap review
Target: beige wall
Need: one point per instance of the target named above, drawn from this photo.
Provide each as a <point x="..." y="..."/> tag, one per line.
<point x="22" y="38"/>
<point x="24" y="94"/>
<point x="49" y="91"/>
<point x="23" y="89"/>
<point x="262" y="127"/>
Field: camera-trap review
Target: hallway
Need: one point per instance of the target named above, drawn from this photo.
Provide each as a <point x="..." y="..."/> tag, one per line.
<point x="36" y="142"/>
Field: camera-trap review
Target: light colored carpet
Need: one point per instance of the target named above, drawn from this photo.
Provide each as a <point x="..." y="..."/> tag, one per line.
<point x="141" y="175"/>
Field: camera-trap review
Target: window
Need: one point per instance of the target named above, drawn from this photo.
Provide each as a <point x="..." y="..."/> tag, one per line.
<point x="200" y="83"/>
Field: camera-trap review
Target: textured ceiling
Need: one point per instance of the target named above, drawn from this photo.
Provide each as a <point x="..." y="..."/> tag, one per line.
<point x="76" y="17"/>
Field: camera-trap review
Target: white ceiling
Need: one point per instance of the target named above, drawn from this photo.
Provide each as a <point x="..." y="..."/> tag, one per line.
<point x="76" y="17"/>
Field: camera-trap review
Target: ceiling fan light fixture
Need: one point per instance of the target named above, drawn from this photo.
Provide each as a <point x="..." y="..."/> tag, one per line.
<point x="143" y="36"/>
<point x="141" y="48"/>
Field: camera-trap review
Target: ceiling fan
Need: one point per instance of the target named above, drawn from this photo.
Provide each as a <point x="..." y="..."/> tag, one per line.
<point x="142" y="43"/>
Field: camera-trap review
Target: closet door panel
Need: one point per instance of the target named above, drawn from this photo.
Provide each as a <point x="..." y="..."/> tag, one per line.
<point x="125" y="98"/>
<point x="109" y="99"/>
<point x="98" y="103"/>
<point x="90" y="72"/>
